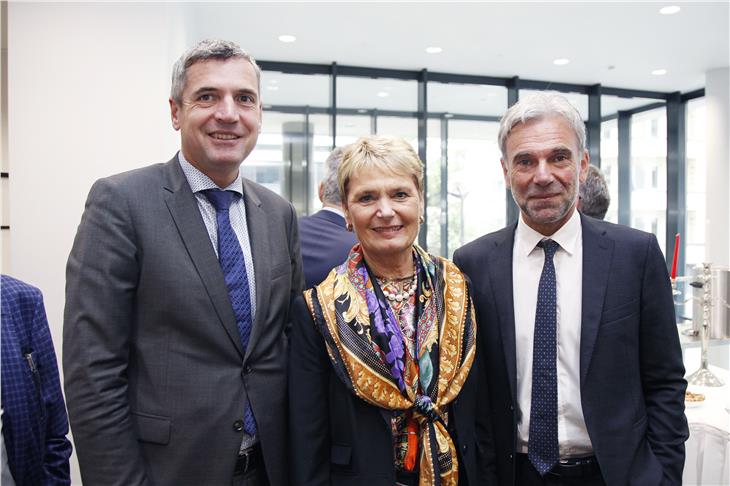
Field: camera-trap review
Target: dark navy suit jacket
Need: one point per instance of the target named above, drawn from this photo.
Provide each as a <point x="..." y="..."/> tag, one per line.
<point x="631" y="370"/>
<point x="325" y="243"/>
<point x="34" y="415"/>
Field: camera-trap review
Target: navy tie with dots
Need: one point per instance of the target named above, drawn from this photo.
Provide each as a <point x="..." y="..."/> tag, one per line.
<point x="542" y="447"/>
<point x="231" y="260"/>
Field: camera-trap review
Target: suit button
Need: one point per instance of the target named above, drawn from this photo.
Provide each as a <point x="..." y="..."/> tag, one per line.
<point x="238" y="425"/>
<point x="510" y="457"/>
<point x="247" y="370"/>
<point x="464" y="449"/>
<point x="511" y="408"/>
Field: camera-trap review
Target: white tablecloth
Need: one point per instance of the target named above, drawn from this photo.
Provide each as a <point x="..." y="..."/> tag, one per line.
<point x="708" y="447"/>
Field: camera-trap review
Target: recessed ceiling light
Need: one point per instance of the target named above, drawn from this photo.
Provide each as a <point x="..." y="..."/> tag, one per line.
<point x="272" y="88"/>
<point x="434" y="50"/>
<point x="273" y="81"/>
<point x="669" y="10"/>
<point x="287" y="38"/>
<point x="659" y="72"/>
<point x="561" y="61"/>
<point x="362" y="110"/>
<point x="383" y="94"/>
<point x="448" y="115"/>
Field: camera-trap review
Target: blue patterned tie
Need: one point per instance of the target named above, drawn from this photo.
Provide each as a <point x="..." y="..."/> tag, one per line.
<point x="230" y="256"/>
<point x="542" y="447"/>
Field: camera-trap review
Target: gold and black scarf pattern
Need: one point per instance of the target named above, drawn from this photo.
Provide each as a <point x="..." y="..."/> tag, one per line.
<point x="366" y="347"/>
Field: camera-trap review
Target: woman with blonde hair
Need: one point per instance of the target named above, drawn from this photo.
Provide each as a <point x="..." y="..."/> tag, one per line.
<point x="381" y="386"/>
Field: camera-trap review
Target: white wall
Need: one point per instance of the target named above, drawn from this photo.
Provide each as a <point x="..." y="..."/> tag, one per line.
<point x="88" y="88"/>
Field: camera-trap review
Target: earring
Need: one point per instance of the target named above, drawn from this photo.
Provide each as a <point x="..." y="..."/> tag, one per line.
<point x="420" y="219"/>
<point x="348" y="227"/>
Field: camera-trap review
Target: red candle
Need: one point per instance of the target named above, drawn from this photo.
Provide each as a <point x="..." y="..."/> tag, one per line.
<point x="676" y="254"/>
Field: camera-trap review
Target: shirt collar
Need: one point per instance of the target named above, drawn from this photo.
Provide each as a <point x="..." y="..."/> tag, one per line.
<point x="567" y="236"/>
<point x="337" y="211"/>
<point x="198" y="181"/>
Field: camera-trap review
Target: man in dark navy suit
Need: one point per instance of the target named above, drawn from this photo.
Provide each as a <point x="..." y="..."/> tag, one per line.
<point x="576" y="323"/>
<point x="324" y="238"/>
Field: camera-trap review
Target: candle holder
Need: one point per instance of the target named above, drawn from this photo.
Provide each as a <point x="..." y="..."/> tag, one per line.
<point x="703" y="376"/>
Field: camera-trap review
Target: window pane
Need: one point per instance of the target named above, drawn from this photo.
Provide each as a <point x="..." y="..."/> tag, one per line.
<point x="320" y="126"/>
<point x="392" y="126"/>
<point x="289" y="157"/>
<point x="467" y="99"/>
<point x="649" y="172"/>
<point x="291" y="149"/>
<point x="269" y="163"/>
<point x="476" y="193"/>
<point x="380" y="93"/>
<point x="609" y="165"/>
<point x="611" y="105"/>
<point x="694" y="240"/>
<point x="579" y="101"/>
<point x="294" y="89"/>
<point x="436" y="213"/>
<point x="352" y="127"/>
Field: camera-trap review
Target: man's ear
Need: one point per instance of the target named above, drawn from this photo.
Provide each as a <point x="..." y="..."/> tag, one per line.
<point x="174" y="111"/>
<point x="261" y="115"/>
<point x="584" y="163"/>
<point x="505" y="173"/>
<point x="320" y="192"/>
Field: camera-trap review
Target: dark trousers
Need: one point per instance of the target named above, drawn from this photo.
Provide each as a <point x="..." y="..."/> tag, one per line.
<point x="527" y="475"/>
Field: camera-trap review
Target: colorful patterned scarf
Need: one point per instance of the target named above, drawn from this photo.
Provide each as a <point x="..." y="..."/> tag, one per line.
<point x="367" y="349"/>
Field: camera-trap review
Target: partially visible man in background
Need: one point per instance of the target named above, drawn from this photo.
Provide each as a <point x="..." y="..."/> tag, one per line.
<point x="594" y="198"/>
<point x="326" y="241"/>
<point x="34" y="422"/>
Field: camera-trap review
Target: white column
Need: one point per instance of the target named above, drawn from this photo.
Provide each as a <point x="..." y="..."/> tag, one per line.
<point x="717" y="232"/>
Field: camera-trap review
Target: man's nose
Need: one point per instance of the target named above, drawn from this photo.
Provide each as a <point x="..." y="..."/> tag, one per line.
<point x="543" y="172"/>
<point x="226" y="110"/>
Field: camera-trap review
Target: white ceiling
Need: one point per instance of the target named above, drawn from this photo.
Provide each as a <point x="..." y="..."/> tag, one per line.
<point x="616" y="44"/>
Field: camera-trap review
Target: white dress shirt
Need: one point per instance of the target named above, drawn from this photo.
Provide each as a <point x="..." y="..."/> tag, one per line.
<point x="527" y="263"/>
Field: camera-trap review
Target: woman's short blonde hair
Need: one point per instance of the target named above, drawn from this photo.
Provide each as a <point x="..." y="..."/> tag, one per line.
<point x="389" y="154"/>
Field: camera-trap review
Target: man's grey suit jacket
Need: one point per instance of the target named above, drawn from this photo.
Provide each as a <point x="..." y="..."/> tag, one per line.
<point x="155" y="375"/>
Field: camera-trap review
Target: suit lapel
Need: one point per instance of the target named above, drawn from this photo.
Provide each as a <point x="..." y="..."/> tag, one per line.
<point x="258" y="235"/>
<point x="597" y="256"/>
<point x="500" y="275"/>
<point x="183" y="207"/>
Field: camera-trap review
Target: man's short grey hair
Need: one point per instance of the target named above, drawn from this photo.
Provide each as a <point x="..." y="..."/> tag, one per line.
<point x="331" y="188"/>
<point x="541" y="105"/>
<point x="594" y="195"/>
<point x="205" y="50"/>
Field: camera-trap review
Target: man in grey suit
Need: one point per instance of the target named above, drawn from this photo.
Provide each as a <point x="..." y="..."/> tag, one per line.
<point x="177" y="306"/>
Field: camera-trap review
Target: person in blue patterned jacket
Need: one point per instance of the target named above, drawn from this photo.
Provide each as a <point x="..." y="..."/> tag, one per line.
<point x="34" y="420"/>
